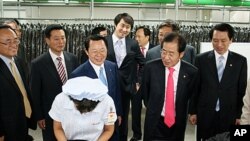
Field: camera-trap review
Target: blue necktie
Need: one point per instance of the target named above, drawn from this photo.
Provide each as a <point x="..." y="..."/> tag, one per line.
<point x="102" y="77"/>
<point x="220" y="70"/>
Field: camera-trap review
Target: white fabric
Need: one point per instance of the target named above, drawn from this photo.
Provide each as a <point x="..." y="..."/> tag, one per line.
<point x="88" y="126"/>
<point x="245" y="116"/>
<point x="120" y="49"/>
<point x="85" y="87"/>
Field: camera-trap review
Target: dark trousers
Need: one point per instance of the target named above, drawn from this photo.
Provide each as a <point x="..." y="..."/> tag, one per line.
<point x="48" y="133"/>
<point x="126" y="97"/>
<point x="136" y="115"/>
<point x="213" y="130"/>
<point x="164" y="133"/>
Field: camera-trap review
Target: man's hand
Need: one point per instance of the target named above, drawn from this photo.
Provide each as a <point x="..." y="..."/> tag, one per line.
<point x="192" y="119"/>
<point x="41" y="124"/>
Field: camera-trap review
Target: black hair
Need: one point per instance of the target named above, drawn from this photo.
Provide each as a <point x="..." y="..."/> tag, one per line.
<point x="84" y="105"/>
<point x="98" y="30"/>
<point x="146" y="30"/>
<point x="52" y="27"/>
<point x="170" y="23"/>
<point x="126" y="17"/>
<point x="95" y="37"/>
<point x="175" y="37"/>
<point x="224" y="27"/>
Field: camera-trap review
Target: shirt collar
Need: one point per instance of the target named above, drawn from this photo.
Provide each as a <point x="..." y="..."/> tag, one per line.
<point x="6" y="60"/>
<point x="96" y="68"/>
<point x="54" y="56"/>
<point x="217" y="55"/>
<point x="115" y="39"/>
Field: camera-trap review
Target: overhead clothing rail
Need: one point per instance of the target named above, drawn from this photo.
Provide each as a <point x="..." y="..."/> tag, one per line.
<point x="33" y="43"/>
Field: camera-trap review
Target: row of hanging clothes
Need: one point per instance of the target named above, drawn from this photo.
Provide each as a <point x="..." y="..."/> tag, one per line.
<point x="33" y="42"/>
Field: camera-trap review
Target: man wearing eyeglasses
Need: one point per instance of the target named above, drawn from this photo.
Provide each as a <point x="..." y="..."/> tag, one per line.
<point x="16" y="107"/>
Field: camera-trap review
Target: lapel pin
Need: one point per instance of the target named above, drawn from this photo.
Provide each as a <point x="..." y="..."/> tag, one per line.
<point x="184" y="76"/>
<point x="231" y="65"/>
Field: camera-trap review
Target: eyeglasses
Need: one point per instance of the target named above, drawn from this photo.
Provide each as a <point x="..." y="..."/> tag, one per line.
<point x="10" y="42"/>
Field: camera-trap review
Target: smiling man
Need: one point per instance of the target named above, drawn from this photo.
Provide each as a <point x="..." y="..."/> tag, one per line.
<point x="98" y="67"/>
<point x="125" y="52"/>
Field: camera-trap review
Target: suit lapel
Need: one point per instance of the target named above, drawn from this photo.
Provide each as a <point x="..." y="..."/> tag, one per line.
<point x="109" y="74"/>
<point x="49" y="64"/>
<point x="111" y="51"/>
<point x="7" y="74"/>
<point x="91" y="72"/>
<point x="212" y="64"/>
<point x="68" y="63"/>
<point x="181" y="79"/>
<point x="228" y="71"/>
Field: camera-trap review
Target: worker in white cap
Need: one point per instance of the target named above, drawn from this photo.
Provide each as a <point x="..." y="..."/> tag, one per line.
<point x="83" y="111"/>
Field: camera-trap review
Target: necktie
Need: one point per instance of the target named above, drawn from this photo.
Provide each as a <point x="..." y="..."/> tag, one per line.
<point x="143" y="50"/>
<point x="220" y="70"/>
<point x="169" y="118"/>
<point x="61" y="70"/>
<point x="220" y="67"/>
<point x="118" y="52"/>
<point x="102" y="77"/>
<point x="22" y="89"/>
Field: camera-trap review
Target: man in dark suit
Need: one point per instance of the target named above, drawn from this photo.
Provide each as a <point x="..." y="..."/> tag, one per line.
<point x="46" y="82"/>
<point x="218" y="102"/>
<point x="16" y="106"/>
<point x="96" y="49"/>
<point x="126" y="53"/>
<point x="142" y="36"/>
<point x="158" y="97"/>
<point x="165" y="28"/>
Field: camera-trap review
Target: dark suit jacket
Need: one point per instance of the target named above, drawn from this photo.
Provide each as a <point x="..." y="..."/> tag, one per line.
<point x="230" y="90"/>
<point x="46" y="83"/>
<point x="155" y="53"/>
<point x="86" y="69"/>
<point x="128" y="69"/>
<point x="13" y="122"/>
<point x="153" y="90"/>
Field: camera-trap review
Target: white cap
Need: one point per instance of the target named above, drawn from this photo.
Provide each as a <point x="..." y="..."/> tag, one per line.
<point x="84" y="87"/>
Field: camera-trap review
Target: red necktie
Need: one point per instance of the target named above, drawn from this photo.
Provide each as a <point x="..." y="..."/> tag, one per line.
<point x="169" y="118"/>
<point x="61" y="70"/>
<point x="143" y="50"/>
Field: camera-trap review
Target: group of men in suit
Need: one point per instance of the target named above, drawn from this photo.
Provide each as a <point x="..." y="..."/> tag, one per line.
<point x="211" y="99"/>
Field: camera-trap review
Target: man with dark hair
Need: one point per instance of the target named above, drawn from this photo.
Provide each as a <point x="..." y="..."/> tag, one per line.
<point x="125" y="52"/>
<point x="221" y="85"/>
<point x="165" y="28"/>
<point x="16" y="105"/>
<point x="48" y="73"/>
<point x="142" y="36"/>
<point x="96" y="49"/>
<point x="167" y="85"/>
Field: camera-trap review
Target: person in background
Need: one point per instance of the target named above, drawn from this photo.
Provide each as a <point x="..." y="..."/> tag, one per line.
<point x="142" y="36"/>
<point x="48" y="73"/>
<point x="221" y="85"/>
<point x="101" y="30"/>
<point x="165" y="28"/>
<point x="126" y="53"/>
<point x="245" y="116"/>
<point x="83" y="111"/>
<point x="167" y="85"/>
<point x="98" y="67"/>
<point x="16" y="105"/>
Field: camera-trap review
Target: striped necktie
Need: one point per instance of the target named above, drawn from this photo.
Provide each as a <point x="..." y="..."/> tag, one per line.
<point x="61" y="70"/>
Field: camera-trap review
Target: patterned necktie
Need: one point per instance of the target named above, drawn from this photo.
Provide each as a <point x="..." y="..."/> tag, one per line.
<point x="169" y="118"/>
<point x="20" y="84"/>
<point x="143" y="51"/>
<point x="102" y="77"/>
<point x="220" y="67"/>
<point x="220" y="70"/>
<point x="61" y="70"/>
<point x="119" y="52"/>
